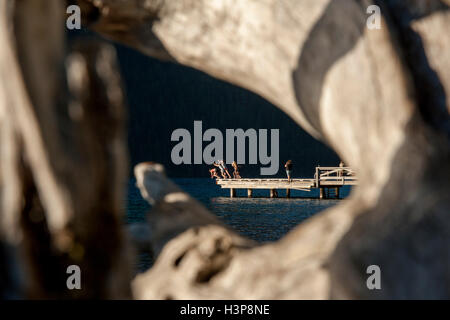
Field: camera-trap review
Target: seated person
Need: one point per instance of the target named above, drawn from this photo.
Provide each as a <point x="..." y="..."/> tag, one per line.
<point x="213" y="173"/>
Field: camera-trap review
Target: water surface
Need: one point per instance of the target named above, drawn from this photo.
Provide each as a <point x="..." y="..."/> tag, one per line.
<point x="259" y="218"/>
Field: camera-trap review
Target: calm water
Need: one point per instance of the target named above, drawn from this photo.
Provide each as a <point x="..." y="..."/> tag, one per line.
<point x="260" y="219"/>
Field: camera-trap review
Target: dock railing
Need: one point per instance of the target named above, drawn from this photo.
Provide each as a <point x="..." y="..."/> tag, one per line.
<point x="328" y="180"/>
<point x="326" y="176"/>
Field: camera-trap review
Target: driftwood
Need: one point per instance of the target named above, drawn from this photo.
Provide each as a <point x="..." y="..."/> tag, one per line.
<point x="64" y="157"/>
<point x="378" y="97"/>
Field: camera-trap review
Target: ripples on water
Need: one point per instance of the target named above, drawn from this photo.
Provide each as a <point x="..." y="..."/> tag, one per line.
<point x="260" y="219"/>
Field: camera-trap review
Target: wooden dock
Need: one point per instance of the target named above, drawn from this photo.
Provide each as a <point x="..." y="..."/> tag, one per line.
<point x="328" y="180"/>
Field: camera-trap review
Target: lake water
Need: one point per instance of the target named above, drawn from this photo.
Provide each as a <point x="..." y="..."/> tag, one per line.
<point x="258" y="218"/>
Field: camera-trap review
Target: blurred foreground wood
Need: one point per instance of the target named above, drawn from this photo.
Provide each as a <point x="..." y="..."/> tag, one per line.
<point x="63" y="157"/>
<point x="378" y="97"/>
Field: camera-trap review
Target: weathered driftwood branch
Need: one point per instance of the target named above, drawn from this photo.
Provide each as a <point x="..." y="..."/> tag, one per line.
<point x="65" y="158"/>
<point x="243" y="42"/>
<point x="378" y="97"/>
<point x="203" y="246"/>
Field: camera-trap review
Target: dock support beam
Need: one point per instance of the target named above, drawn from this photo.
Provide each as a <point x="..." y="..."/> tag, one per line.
<point x="322" y="193"/>
<point x="273" y="193"/>
<point x="249" y="193"/>
<point x="232" y="193"/>
<point x="288" y="193"/>
<point x="337" y="192"/>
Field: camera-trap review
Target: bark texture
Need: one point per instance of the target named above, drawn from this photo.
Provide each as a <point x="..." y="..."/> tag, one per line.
<point x="378" y="97"/>
<point x="63" y="158"/>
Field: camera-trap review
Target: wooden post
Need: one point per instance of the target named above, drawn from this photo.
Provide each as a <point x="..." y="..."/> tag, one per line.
<point x="273" y="193"/>
<point x="317" y="177"/>
<point x="288" y="193"/>
<point x="249" y="193"/>
<point x="232" y="193"/>
<point x="322" y="193"/>
<point x="337" y="192"/>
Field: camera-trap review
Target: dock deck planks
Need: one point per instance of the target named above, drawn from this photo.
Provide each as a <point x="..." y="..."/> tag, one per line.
<point x="325" y="178"/>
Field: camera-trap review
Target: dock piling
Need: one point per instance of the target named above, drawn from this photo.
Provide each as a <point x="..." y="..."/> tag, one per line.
<point x="273" y="193"/>
<point x="322" y="193"/>
<point x="328" y="180"/>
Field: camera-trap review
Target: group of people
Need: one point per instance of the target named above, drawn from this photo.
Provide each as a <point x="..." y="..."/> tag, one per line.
<point x="224" y="170"/>
<point x="236" y="175"/>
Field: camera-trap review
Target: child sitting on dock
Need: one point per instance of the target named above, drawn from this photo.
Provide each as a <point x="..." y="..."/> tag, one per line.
<point x="213" y="173"/>
<point x="236" y="174"/>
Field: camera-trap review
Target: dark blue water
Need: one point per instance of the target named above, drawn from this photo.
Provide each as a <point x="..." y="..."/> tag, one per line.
<point x="260" y="219"/>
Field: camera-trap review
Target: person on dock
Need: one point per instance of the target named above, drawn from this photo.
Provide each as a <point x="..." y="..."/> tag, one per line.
<point x="223" y="169"/>
<point x="216" y="164"/>
<point x="341" y="171"/>
<point x="236" y="174"/>
<point x="213" y="173"/>
<point x="288" y="167"/>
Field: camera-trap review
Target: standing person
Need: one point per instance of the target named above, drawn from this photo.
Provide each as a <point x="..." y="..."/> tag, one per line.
<point x="224" y="168"/>
<point x="236" y="174"/>
<point x="341" y="165"/>
<point x="288" y="167"/>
